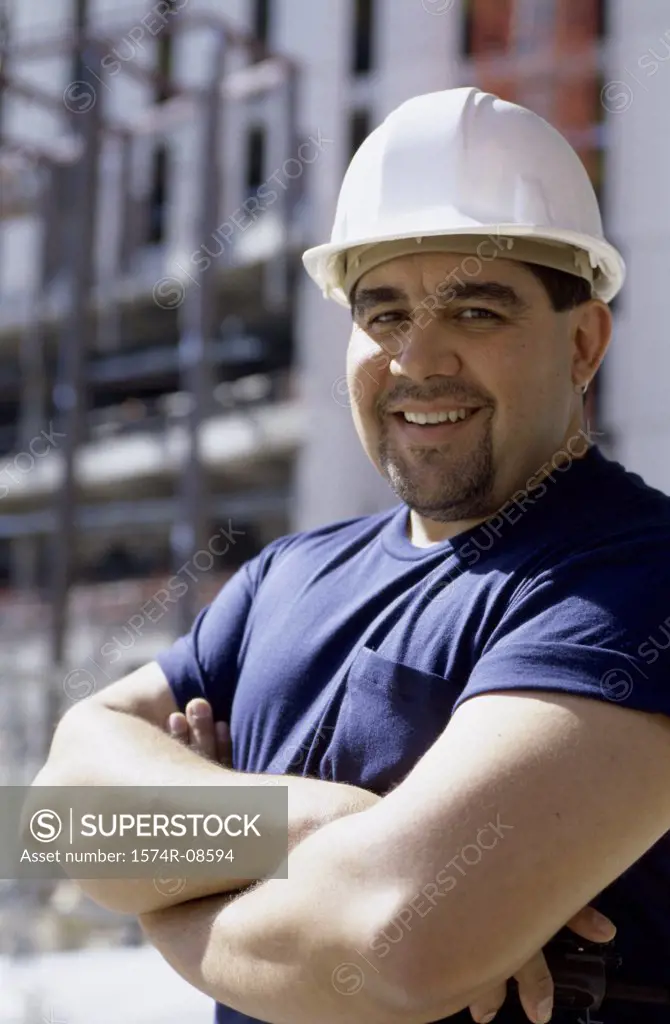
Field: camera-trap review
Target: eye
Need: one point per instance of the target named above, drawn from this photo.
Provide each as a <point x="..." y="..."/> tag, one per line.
<point x="478" y="313"/>
<point x="394" y="315"/>
<point x="385" y="323"/>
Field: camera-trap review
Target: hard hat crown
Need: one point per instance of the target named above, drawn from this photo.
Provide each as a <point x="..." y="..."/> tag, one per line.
<point x="461" y="162"/>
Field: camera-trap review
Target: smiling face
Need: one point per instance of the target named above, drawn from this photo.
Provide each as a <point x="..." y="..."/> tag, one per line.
<point x="486" y="356"/>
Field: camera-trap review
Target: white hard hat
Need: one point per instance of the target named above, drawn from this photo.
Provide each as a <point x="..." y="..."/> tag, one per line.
<point x="463" y="162"/>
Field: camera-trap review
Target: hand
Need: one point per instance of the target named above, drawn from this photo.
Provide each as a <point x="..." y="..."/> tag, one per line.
<point x="534" y="980"/>
<point x="325" y="802"/>
<point x="198" y="730"/>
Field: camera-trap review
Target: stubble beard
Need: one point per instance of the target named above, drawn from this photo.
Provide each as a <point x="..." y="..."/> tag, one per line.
<point x="439" y="485"/>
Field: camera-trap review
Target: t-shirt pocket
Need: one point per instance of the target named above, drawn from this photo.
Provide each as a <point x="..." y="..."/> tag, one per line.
<point x="388" y="717"/>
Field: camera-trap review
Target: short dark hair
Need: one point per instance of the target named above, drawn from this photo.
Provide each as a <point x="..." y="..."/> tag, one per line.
<point x="565" y="291"/>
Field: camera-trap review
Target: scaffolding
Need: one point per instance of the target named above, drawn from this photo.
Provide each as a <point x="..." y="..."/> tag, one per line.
<point x="66" y="175"/>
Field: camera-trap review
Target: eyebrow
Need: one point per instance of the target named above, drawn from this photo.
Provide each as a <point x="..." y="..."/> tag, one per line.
<point x="364" y="299"/>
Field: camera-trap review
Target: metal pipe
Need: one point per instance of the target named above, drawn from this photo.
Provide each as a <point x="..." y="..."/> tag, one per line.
<point x="31" y="348"/>
<point x="75" y="342"/>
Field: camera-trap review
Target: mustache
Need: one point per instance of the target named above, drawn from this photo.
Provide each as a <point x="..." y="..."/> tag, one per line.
<point x="453" y="394"/>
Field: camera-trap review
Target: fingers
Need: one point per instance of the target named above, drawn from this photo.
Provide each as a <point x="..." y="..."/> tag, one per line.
<point x="178" y="727"/>
<point x="536" y="989"/>
<point x="197" y="730"/>
<point x="591" y="925"/>
<point x="201" y="725"/>
<point x="536" y="986"/>
<point x="486" y="1007"/>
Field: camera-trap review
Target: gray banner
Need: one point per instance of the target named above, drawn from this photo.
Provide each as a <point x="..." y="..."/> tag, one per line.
<point x="138" y="832"/>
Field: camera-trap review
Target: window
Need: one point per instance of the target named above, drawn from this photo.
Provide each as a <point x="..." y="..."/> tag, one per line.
<point x="5" y="562"/>
<point x="594" y="159"/>
<point x="255" y="160"/>
<point x="164" y="58"/>
<point x="158" y="199"/>
<point x="581" y="26"/>
<point x="487" y="28"/>
<point x="261" y="28"/>
<point x="467" y="28"/>
<point x="5" y="13"/>
<point x="4" y="42"/>
<point x="80" y="12"/>
<point x="359" y="129"/>
<point x="261" y="21"/>
<point x="363" y="36"/>
<point x="601" y="18"/>
<point x="247" y="544"/>
<point x="159" y="174"/>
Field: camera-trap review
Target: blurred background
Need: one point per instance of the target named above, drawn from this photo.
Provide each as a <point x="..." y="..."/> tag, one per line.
<point x="171" y="384"/>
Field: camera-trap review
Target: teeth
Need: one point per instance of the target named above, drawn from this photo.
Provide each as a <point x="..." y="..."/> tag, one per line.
<point x="436" y="417"/>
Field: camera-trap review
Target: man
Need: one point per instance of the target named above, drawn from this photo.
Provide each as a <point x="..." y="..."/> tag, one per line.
<point x="471" y="685"/>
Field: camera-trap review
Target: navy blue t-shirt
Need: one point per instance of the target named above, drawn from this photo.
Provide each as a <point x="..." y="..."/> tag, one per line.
<point x="341" y="653"/>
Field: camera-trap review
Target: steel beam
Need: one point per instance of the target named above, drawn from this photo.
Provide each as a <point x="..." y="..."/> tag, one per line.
<point x="69" y="392"/>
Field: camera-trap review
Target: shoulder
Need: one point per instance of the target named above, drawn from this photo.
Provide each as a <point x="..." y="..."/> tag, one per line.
<point x="590" y="604"/>
<point x="616" y="572"/>
<point x="625" y="494"/>
<point x="621" y="530"/>
<point x="610" y="521"/>
<point x="336" y="541"/>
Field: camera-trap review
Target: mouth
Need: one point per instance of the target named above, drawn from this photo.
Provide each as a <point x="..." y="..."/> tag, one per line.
<point x="433" y="427"/>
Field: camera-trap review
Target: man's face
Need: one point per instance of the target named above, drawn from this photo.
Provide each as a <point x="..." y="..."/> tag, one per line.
<point x="486" y="348"/>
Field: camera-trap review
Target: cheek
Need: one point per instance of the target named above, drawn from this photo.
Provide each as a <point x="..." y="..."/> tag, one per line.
<point x="527" y="380"/>
<point x="542" y="370"/>
<point x="367" y="368"/>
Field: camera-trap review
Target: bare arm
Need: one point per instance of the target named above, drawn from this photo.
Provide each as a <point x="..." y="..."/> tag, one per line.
<point x="534" y="981"/>
<point x="514" y="779"/>
<point x="118" y="737"/>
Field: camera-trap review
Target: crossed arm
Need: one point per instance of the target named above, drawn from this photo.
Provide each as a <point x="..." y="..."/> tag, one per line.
<point x="126" y="722"/>
<point x="443" y="889"/>
<point x="543" y="775"/>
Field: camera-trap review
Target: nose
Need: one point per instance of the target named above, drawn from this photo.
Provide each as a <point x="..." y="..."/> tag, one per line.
<point x="422" y="352"/>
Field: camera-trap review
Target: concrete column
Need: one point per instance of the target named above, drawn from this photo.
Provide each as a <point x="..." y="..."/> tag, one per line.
<point x="637" y="368"/>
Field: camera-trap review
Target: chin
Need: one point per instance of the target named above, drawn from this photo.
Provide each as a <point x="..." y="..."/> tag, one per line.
<point x="446" y="503"/>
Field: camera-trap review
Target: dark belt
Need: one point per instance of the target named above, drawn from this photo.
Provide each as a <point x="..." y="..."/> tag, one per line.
<point x="583" y="978"/>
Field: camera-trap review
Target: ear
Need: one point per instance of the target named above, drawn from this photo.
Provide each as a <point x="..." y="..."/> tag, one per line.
<point x="591" y="330"/>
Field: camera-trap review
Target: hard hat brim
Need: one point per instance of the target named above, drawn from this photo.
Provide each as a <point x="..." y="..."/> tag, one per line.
<point x="321" y="261"/>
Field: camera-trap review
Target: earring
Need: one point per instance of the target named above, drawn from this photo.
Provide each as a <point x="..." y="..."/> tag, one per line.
<point x="581" y="389"/>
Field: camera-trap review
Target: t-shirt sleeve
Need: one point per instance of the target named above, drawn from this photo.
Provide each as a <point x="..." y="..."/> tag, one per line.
<point x="596" y="626"/>
<point x="205" y="662"/>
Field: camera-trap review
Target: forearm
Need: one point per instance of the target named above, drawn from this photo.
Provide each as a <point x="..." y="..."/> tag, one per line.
<point x="290" y="951"/>
<point x="205" y="942"/>
<point x="97" y="746"/>
<point x="136" y="750"/>
<point x="312" y="947"/>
